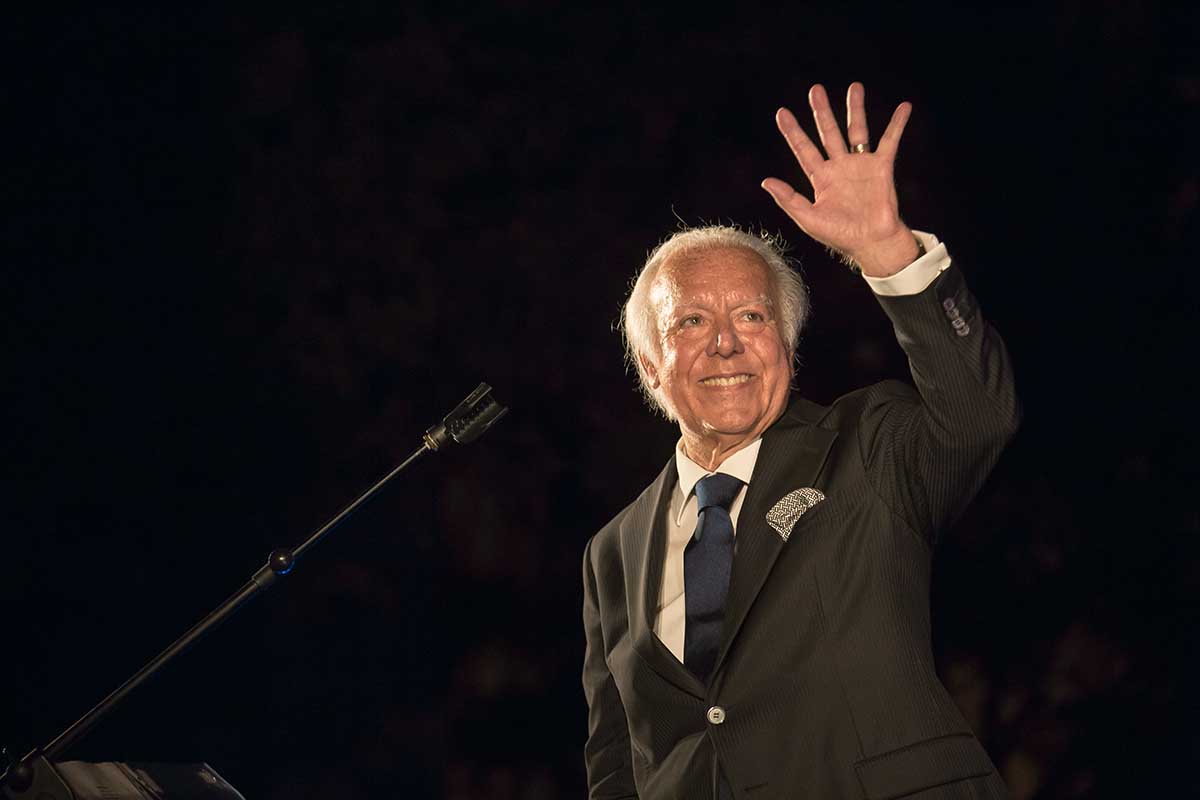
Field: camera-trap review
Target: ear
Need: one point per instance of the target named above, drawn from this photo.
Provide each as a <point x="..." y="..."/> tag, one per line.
<point x="650" y="369"/>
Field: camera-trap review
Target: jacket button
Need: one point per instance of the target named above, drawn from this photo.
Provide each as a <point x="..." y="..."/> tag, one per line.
<point x="716" y="715"/>
<point x="948" y="304"/>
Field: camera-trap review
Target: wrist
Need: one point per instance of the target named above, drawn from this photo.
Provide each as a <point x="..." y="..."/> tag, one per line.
<point x="887" y="257"/>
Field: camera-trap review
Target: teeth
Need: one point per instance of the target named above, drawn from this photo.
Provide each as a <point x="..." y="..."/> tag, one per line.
<point x="733" y="380"/>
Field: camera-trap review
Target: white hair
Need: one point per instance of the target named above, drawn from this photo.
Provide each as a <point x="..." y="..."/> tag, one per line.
<point x="639" y="323"/>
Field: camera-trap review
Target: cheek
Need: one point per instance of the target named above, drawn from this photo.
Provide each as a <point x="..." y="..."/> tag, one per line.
<point x="678" y="357"/>
<point x="668" y="369"/>
<point x="774" y="356"/>
<point x="785" y="362"/>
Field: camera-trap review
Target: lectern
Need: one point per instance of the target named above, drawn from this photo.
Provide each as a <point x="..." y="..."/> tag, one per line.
<point x="110" y="780"/>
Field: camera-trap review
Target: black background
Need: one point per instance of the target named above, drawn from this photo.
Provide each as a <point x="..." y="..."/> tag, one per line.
<point x="253" y="254"/>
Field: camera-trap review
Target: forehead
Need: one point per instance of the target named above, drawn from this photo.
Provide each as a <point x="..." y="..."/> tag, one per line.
<point x="709" y="276"/>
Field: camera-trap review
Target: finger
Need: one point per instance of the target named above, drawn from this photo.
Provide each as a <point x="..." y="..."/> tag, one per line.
<point x="856" y="115"/>
<point x="802" y="147"/>
<point x="895" y="129"/>
<point x="794" y="204"/>
<point x="781" y="191"/>
<point x="827" y="126"/>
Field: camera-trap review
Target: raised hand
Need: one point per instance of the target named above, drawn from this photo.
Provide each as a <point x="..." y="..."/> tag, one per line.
<point x="854" y="208"/>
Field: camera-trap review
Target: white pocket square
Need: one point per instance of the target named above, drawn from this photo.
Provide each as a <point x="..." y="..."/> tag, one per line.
<point x="783" y="516"/>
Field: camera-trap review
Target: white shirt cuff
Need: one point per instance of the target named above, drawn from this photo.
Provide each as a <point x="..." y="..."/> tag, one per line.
<point x="916" y="277"/>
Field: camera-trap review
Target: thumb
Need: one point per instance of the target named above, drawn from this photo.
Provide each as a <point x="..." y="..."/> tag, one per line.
<point x="794" y="204"/>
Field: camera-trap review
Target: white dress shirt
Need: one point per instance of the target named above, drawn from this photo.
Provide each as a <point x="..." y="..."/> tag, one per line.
<point x="682" y="513"/>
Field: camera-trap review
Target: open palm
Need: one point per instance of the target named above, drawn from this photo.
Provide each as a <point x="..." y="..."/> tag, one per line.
<point x="854" y="209"/>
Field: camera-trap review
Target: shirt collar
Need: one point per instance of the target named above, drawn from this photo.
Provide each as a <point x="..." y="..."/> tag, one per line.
<point x="740" y="465"/>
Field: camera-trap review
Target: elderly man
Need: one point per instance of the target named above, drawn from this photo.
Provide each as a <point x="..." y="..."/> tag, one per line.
<point x="758" y="619"/>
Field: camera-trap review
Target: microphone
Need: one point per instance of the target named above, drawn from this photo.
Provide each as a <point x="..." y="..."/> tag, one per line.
<point x="35" y="776"/>
<point x="468" y="421"/>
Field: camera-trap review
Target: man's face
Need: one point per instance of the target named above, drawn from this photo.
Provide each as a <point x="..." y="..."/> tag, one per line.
<point x="724" y="369"/>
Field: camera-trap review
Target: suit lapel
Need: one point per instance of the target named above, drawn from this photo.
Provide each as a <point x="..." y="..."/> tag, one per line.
<point x="643" y="550"/>
<point x="792" y="454"/>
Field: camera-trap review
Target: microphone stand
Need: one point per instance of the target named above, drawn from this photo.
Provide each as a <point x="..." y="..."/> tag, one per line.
<point x="34" y="775"/>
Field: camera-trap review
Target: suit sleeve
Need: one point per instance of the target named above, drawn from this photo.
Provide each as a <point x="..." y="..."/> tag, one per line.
<point x="607" y="752"/>
<point x="928" y="452"/>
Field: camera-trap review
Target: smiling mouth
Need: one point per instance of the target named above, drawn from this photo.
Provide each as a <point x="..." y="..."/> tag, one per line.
<point x="726" y="380"/>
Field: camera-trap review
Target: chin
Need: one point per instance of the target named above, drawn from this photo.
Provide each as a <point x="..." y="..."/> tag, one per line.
<point x="732" y="424"/>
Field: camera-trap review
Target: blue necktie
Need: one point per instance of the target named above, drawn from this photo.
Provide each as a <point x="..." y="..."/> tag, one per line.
<point x="707" y="563"/>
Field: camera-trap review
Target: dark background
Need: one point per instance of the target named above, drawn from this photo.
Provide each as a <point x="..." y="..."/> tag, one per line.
<point x="254" y="254"/>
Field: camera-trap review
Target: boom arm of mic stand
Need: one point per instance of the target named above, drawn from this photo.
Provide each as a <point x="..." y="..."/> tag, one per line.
<point x="280" y="562"/>
<point x="467" y="422"/>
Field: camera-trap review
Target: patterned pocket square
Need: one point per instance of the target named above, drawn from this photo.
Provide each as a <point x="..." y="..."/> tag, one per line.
<point x="786" y="512"/>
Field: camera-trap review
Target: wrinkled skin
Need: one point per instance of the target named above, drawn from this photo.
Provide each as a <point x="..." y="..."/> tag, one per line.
<point x="854" y="209"/>
<point x="724" y="369"/>
<point x="714" y="311"/>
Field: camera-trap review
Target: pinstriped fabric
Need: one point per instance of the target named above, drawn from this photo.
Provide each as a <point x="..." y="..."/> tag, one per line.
<point x="933" y="763"/>
<point x="825" y="672"/>
<point x="928" y="437"/>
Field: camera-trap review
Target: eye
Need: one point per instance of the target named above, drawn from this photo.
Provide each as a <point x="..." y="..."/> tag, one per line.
<point x="689" y="321"/>
<point x="754" y="316"/>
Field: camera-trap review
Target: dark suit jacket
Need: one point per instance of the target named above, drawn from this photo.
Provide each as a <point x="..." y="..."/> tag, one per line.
<point x="825" y="674"/>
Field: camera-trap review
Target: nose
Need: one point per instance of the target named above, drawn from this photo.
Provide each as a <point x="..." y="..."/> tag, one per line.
<point x="725" y="342"/>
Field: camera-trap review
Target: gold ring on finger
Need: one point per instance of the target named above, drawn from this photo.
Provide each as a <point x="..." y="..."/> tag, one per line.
<point x="861" y="147"/>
